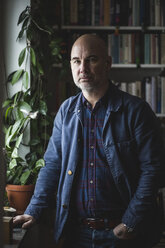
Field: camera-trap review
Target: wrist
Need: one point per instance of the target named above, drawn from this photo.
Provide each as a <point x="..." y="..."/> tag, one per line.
<point x="128" y="229"/>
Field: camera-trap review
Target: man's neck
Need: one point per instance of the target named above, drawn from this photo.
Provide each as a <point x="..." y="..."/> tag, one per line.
<point x="93" y="96"/>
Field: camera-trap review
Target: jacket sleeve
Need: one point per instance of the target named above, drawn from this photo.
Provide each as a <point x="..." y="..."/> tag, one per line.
<point x="48" y="177"/>
<point x="149" y="147"/>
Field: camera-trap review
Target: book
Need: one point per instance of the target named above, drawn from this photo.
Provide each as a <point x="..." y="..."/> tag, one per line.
<point x="153" y="93"/>
<point x="81" y="12"/>
<point x="73" y="12"/>
<point x="163" y="95"/>
<point x="162" y="48"/>
<point x="157" y="12"/>
<point x="106" y="12"/>
<point x="147" y="49"/>
<point x="148" y="91"/>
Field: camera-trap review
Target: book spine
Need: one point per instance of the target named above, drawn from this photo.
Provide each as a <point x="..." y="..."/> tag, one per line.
<point x="74" y="12"/>
<point x="153" y="93"/>
<point x="97" y="13"/>
<point x="157" y="12"/>
<point x="147" y="48"/>
<point x="148" y="91"/>
<point x="163" y="95"/>
<point x="106" y="12"/>
<point x="162" y="48"/>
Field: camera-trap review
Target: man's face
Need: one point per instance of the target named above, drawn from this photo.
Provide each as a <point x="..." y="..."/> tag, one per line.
<point x="89" y="64"/>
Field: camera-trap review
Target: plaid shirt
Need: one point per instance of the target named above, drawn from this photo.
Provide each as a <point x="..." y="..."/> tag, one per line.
<point x="96" y="194"/>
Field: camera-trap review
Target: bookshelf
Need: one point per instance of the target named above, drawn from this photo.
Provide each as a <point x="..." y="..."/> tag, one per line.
<point x="119" y="22"/>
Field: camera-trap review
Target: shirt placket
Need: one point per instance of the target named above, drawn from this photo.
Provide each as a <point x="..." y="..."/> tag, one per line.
<point x="92" y="163"/>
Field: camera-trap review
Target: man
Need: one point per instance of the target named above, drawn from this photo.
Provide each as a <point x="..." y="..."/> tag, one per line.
<point x="104" y="160"/>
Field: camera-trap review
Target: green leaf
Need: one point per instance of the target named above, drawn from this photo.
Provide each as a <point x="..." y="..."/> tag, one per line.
<point x="6" y="103"/>
<point x="34" y="142"/>
<point x="8" y="111"/>
<point x="25" y="23"/>
<point x="13" y="163"/>
<point x="18" y="114"/>
<point x="17" y="76"/>
<point x="33" y="56"/>
<point x="25" y="79"/>
<point x="12" y="131"/>
<point x="14" y="153"/>
<point x="25" y="177"/>
<point x="43" y="108"/>
<point x="9" y="78"/>
<point x="18" y="142"/>
<point x="8" y="134"/>
<point x="22" y="16"/>
<point x="39" y="67"/>
<point x="25" y="107"/>
<point x="40" y="163"/>
<point x="20" y="35"/>
<point x="22" y="56"/>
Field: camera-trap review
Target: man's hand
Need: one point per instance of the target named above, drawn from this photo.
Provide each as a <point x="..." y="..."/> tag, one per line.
<point x="25" y="219"/>
<point x="121" y="232"/>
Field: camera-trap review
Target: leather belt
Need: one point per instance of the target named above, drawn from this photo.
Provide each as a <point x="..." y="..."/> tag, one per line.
<point x="99" y="224"/>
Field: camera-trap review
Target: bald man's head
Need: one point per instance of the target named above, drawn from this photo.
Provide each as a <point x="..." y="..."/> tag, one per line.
<point x="92" y="41"/>
<point x="90" y="63"/>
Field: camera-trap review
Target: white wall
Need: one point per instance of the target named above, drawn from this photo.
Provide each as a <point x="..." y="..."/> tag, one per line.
<point x="9" y="51"/>
<point x="12" y="48"/>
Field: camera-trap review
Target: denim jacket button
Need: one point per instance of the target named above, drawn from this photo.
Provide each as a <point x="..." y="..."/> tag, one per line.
<point x="64" y="206"/>
<point x="70" y="172"/>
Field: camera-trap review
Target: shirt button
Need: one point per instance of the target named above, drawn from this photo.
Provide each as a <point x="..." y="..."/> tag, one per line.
<point x="91" y="199"/>
<point x="64" y="206"/>
<point x="91" y="181"/>
<point x="92" y="130"/>
<point x="78" y="110"/>
<point x="92" y="147"/>
<point x="70" y="172"/>
<point x="91" y="164"/>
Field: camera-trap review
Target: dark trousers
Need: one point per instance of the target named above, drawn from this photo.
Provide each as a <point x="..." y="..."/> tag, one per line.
<point x="79" y="236"/>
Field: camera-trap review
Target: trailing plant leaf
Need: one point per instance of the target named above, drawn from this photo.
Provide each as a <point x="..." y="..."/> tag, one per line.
<point x="13" y="130"/>
<point x="25" y="23"/>
<point x="33" y="56"/>
<point x="34" y="142"/>
<point x="24" y="177"/>
<point x="17" y="76"/>
<point x="21" y="33"/>
<point x="18" y="142"/>
<point x="9" y="78"/>
<point x="15" y="153"/>
<point x="8" y="112"/>
<point x="40" y="163"/>
<point x="22" y="57"/>
<point x="13" y="164"/>
<point x="43" y="108"/>
<point x="18" y="114"/>
<point x="25" y="107"/>
<point x="40" y="69"/>
<point x="25" y="80"/>
<point x="22" y="16"/>
<point x="6" y="103"/>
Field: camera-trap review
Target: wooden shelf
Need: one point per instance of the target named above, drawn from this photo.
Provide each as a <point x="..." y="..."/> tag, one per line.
<point x="149" y="66"/>
<point x="126" y="28"/>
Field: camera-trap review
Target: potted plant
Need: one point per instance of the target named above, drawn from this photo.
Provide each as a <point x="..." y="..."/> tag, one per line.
<point x="26" y="111"/>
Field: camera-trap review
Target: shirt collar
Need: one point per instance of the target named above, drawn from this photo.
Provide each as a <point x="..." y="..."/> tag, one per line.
<point x="102" y="101"/>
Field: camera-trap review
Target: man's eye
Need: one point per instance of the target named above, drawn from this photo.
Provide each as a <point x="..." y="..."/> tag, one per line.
<point x="93" y="59"/>
<point x="76" y="61"/>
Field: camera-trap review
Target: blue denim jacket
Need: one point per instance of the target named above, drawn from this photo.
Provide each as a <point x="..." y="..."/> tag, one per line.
<point x="133" y="149"/>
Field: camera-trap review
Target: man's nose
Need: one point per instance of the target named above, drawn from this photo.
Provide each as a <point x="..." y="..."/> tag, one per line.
<point x="83" y="66"/>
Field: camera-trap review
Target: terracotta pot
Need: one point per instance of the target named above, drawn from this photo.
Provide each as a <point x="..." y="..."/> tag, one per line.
<point x="19" y="196"/>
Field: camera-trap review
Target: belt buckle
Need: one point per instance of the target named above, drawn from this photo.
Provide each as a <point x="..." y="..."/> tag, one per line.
<point x="89" y="221"/>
